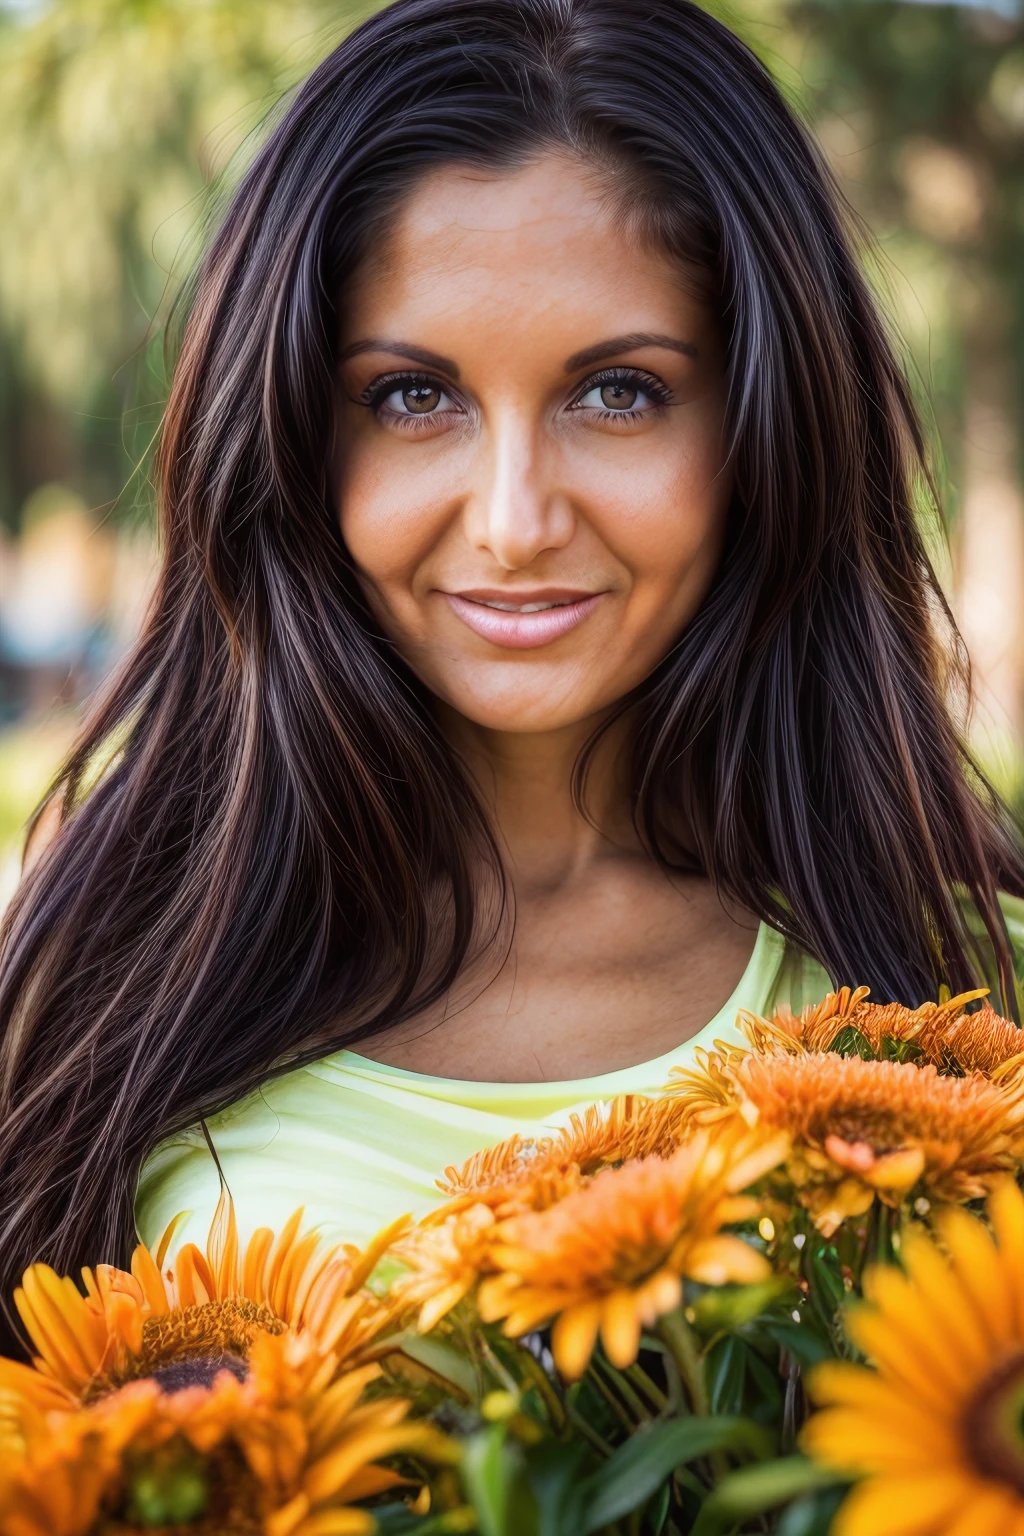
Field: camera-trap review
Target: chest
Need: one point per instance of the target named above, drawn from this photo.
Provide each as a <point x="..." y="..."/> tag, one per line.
<point x="589" y="981"/>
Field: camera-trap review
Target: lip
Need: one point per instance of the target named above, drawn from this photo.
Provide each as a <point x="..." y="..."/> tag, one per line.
<point x="522" y="631"/>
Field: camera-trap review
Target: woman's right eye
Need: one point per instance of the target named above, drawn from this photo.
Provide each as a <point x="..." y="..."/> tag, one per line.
<point x="408" y="397"/>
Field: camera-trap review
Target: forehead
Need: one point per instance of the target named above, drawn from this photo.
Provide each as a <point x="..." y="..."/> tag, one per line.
<point x="548" y="235"/>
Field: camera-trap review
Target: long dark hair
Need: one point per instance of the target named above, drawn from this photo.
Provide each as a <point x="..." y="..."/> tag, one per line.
<point x="278" y="855"/>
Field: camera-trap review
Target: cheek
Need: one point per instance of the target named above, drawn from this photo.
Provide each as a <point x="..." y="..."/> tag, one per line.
<point x="390" y="520"/>
<point x="663" y="515"/>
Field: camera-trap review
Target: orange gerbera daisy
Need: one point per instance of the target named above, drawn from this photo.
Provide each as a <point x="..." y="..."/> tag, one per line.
<point x="610" y="1257"/>
<point x="448" y="1251"/>
<point x="936" y="1430"/>
<point x="942" y="1033"/>
<point x="202" y="1314"/>
<point x="977" y="1042"/>
<point x="444" y="1260"/>
<point x="530" y="1174"/>
<point x="866" y="1129"/>
<point x="286" y="1452"/>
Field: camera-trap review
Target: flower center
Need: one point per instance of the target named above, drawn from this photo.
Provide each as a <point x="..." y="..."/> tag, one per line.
<point x="205" y="1331"/>
<point x="994" y="1423"/>
<point x="199" y="1371"/>
<point x="187" y="1346"/>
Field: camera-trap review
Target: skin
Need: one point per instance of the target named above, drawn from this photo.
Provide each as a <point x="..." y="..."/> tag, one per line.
<point x="512" y="466"/>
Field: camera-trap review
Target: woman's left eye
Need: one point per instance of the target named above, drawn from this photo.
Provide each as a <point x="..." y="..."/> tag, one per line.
<point x="621" y="395"/>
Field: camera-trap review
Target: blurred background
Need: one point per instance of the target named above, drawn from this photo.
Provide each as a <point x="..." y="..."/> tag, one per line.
<point x="125" y="123"/>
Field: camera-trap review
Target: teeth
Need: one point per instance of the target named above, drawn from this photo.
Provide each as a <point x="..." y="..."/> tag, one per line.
<point x="524" y="607"/>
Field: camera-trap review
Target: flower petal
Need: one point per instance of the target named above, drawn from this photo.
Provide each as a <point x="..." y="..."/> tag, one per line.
<point x="574" y="1336"/>
<point x="921" y="1505"/>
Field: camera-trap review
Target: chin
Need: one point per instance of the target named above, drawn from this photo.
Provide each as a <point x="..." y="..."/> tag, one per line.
<point x="524" y="712"/>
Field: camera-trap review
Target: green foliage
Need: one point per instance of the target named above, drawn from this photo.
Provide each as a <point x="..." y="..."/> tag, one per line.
<point x="125" y="125"/>
<point x="627" y="1452"/>
<point x="493" y="1470"/>
<point x="754" y="1490"/>
<point x="639" y="1468"/>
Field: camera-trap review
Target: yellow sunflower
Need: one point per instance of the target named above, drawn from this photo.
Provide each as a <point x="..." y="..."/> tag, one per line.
<point x="862" y="1130"/>
<point x="936" y="1430"/>
<point x="609" y="1258"/>
<point x="287" y="1452"/>
<point x="202" y="1314"/>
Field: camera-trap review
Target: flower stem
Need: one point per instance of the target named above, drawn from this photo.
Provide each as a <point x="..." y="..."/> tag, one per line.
<point x="554" y="1404"/>
<point x="586" y="1430"/>
<point x="640" y="1379"/>
<point x="677" y="1335"/>
<point x="612" y="1400"/>
<point x="497" y="1366"/>
<point x="618" y="1382"/>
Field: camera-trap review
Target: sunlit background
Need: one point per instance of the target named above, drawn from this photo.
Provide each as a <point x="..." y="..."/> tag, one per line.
<point x="124" y="124"/>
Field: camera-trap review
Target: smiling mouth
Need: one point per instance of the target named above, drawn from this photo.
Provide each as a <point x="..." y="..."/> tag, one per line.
<point x="532" y="621"/>
<point x="521" y="607"/>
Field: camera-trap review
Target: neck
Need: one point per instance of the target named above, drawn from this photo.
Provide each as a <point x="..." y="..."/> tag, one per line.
<point x="525" y="780"/>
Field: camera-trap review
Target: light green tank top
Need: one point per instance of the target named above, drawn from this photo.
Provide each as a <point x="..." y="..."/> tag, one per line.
<point x="358" y="1143"/>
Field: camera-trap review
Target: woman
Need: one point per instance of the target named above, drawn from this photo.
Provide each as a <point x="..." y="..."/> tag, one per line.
<point x="545" y="663"/>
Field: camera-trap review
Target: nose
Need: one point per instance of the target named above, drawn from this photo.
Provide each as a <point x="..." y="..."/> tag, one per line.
<point x="518" y="511"/>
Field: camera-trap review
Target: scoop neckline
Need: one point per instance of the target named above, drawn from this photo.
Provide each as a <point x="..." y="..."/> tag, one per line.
<point x="766" y="941"/>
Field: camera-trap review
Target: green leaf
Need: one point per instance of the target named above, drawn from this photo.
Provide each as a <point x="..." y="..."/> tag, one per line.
<point x="726" y="1374"/>
<point x="850" y="1042"/>
<point x="802" y="1341"/>
<point x="553" y="1474"/>
<point x="593" y="1407"/>
<point x="813" y="1514"/>
<point x="724" y="1308"/>
<point x="827" y="1289"/>
<point x="638" y="1468"/>
<point x="901" y="1050"/>
<point x="492" y="1469"/>
<point x="440" y="1358"/>
<point x="752" y="1490"/>
<point x="487" y="1475"/>
<point x="768" y="1386"/>
<point x="659" y="1511"/>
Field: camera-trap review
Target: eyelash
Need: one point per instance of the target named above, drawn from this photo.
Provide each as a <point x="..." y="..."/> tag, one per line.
<point x="378" y="391"/>
<point x="648" y="383"/>
<point x="661" y="396"/>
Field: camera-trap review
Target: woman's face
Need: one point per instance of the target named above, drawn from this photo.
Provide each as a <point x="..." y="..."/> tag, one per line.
<point x="530" y="470"/>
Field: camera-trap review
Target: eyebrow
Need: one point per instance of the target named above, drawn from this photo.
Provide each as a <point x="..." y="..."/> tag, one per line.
<point x="613" y="347"/>
<point x="403" y="349"/>
<point x="618" y="344"/>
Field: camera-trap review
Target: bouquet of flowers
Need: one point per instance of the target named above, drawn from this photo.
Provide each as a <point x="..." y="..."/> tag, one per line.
<point x="785" y="1295"/>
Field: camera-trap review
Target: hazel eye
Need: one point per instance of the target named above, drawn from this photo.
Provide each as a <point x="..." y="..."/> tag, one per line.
<point x="618" y="396"/>
<point x="622" y="394"/>
<point x="417" y="399"/>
